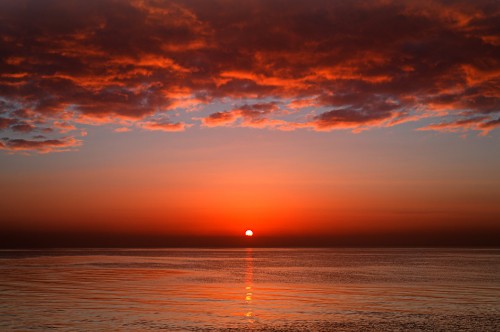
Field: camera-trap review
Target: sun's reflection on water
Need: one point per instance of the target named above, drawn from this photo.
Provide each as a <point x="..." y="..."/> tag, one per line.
<point x="249" y="285"/>
<point x="302" y="289"/>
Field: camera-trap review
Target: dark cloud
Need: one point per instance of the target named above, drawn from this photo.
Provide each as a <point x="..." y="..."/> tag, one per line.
<point x="5" y="122"/>
<point x="251" y="115"/>
<point x="491" y="124"/>
<point x="347" y="117"/>
<point x="480" y="123"/>
<point x="22" y="127"/>
<point x="361" y="63"/>
<point x="42" y="146"/>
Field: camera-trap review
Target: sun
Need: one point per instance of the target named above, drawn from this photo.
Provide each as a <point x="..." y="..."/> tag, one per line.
<point x="249" y="232"/>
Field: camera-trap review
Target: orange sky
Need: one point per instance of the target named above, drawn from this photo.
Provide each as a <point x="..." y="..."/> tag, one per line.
<point x="311" y="188"/>
<point x="290" y="118"/>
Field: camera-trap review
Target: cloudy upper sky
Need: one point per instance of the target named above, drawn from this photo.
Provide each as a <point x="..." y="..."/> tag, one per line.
<point x="395" y="90"/>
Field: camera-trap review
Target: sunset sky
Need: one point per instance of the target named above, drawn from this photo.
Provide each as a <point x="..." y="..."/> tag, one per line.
<point x="290" y="118"/>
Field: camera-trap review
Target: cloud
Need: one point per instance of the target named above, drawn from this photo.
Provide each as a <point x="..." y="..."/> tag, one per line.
<point x="121" y="130"/>
<point x="5" y="122"/>
<point x="480" y="123"/>
<point x="220" y="118"/>
<point x="40" y="146"/>
<point x="251" y="115"/>
<point x="490" y="124"/>
<point x="163" y="125"/>
<point x="356" y="64"/>
<point x="22" y="127"/>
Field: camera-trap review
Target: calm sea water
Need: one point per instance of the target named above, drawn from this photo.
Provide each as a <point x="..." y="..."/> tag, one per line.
<point x="250" y="289"/>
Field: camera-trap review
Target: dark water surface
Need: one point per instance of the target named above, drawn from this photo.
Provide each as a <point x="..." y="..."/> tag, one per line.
<point x="250" y="289"/>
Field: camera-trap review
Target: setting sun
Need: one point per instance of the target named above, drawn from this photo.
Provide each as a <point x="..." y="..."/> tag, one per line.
<point x="138" y="138"/>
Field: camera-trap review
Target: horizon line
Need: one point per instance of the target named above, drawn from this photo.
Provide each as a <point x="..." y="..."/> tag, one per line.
<point x="458" y="239"/>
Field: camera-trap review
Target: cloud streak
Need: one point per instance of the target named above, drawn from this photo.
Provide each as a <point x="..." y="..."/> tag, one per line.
<point x="335" y="65"/>
<point x="42" y="146"/>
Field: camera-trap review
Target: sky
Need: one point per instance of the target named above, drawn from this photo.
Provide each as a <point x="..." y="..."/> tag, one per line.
<point x="368" y="120"/>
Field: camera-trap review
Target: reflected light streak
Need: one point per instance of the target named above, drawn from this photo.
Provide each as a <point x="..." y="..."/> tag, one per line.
<point x="249" y="285"/>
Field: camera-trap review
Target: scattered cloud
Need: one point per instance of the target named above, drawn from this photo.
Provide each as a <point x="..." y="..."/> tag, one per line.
<point x="356" y="64"/>
<point x="163" y="125"/>
<point x="251" y="115"/>
<point x="220" y="118"/>
<point x="22" y="127"/>
<point x="40" y="146"/>
<point x="480" y="123"/>
<point x="490" y="124"/>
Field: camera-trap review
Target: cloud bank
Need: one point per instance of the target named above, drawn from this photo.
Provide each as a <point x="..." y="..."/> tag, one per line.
<point x="281" y="65"/>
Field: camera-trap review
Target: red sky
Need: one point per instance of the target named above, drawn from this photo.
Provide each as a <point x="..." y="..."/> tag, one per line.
<point x="210" y="117"/>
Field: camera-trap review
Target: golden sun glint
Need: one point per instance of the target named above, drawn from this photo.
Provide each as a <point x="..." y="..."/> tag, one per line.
<point x="249" y="232"/>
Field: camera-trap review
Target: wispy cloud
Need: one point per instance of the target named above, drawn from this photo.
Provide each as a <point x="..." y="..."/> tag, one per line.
<point x="40" y="145"/>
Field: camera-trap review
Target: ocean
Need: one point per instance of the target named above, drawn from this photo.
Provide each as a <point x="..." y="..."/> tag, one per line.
<point x="250" y="290"/>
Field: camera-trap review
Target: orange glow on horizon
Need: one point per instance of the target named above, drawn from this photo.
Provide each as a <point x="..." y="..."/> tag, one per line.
<point x="279" y="125"/>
